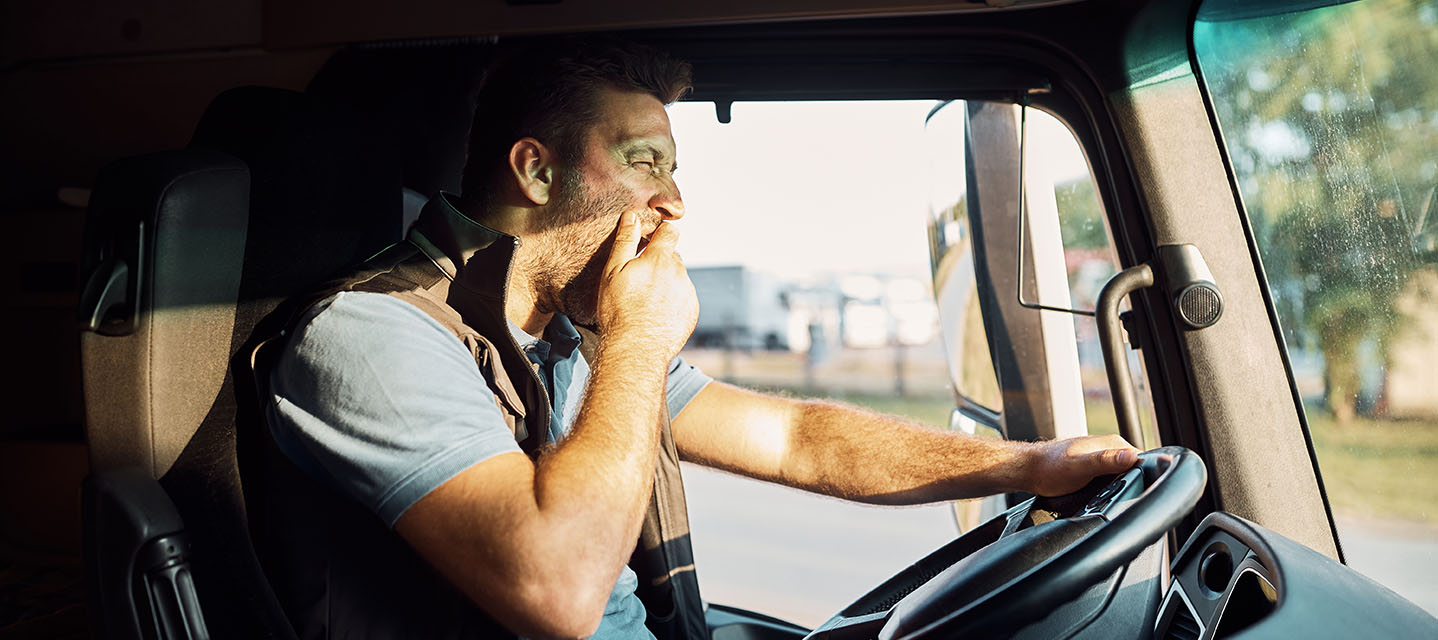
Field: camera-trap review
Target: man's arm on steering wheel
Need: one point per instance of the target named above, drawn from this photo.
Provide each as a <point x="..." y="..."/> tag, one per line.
<point x="853" y="453"/>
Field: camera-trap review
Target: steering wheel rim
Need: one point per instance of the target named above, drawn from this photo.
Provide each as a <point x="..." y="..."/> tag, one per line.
<point x="1175" y="478"/>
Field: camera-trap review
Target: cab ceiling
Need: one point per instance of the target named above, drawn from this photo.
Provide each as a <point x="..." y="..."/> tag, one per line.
<point x="44" y="30"/>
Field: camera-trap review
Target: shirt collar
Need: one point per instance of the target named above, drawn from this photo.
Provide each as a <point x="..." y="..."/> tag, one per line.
<point x="450" y="237"/>
<point x="560" y="340"/>
<point x="453" y="239"/>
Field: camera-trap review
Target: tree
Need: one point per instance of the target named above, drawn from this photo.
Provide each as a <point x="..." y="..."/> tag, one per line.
<point x="1331" y="120"/>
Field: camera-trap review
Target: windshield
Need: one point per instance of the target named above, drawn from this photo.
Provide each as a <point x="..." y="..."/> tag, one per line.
<point x="804" y="238"/>
<point x="1330" y="118"/>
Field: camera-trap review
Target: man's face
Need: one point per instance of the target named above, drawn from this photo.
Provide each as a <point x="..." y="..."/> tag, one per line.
<point x="626" y="164"/>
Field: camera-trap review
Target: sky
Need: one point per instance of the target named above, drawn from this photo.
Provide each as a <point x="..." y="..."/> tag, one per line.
<point x="795" y="188"/>
<point x="800" y="187"/>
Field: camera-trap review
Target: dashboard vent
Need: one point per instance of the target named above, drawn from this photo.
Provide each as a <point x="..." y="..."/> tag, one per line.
<point x="1182" y="626"/>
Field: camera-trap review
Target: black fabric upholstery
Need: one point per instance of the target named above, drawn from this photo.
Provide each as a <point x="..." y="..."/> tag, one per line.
<point x="421" y="99"/>
<point x="325" y="193"/>
<point x="205" y="485"/>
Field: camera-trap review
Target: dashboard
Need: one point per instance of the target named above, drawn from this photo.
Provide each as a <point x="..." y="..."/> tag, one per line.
<point x="1236" y="579"/>
<point x="1219" y="585"/>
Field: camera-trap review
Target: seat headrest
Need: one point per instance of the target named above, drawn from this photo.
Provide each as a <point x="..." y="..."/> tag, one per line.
<point x="326" y="190"/>
<point x="422" y="95"/>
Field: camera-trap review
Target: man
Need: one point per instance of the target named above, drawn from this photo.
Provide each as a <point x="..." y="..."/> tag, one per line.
<point x="404" y="389"/>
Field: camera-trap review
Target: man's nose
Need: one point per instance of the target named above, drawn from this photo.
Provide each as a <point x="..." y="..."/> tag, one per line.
<point x="668" y="203"/>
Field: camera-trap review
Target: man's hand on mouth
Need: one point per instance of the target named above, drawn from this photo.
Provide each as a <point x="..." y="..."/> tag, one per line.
<point x="645" y="293"/>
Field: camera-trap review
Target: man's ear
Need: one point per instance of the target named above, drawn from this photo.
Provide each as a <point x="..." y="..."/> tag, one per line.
<point x="531" y="164"/>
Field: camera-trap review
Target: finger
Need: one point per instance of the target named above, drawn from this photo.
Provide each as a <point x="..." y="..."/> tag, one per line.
<point x="664" y="239"/>
<point x="626" y="241"/>
<point x="666" y="236"/>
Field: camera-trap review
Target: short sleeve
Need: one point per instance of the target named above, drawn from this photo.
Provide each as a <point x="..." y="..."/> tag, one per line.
<point x="379" y="400"/>
<point x="685" y="381"/>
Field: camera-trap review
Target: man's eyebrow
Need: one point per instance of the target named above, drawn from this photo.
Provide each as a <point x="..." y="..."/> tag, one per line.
<point x="633" y="148"/>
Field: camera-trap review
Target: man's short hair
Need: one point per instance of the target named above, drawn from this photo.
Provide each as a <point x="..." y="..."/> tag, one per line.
<point x="548" y="90"/>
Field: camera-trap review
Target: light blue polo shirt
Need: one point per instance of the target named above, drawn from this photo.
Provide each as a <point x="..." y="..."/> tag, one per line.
<point x="380" y="401"/>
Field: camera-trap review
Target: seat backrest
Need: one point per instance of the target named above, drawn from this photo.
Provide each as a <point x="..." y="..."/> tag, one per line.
<point x="328" y="175"/>
<point x="192" y="251"/>
<point x="164" y="244"/>
<point x="164" y="240"/>
<point x="326" y="194"/>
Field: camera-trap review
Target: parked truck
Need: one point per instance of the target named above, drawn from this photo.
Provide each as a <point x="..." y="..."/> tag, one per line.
<point x="740" y="308"/>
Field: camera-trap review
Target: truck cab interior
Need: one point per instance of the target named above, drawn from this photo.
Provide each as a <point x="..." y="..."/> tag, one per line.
<point x="173" y="173"/>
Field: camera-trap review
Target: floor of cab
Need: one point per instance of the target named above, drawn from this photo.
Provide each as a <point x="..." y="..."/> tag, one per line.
<point x="42" y="592"/>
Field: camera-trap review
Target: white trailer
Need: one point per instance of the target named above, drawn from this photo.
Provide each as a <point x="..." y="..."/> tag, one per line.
<point x="740" y="308"/>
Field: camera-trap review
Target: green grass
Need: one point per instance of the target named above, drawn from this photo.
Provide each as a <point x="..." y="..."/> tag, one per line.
<point x="1101" y="417"/>
<point x="929" y="410"/>
<point x="925" y="409"/>
<point x="934" y="410"/>
<point x="1378" y="468"/>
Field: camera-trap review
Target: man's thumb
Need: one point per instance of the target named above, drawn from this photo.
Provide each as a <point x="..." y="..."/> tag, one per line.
<point x="1116" y="460"/>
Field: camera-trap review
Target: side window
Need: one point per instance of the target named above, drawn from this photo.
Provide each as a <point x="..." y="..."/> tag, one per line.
<point x="1031" y="316"/>
<point x="1330" y="118"/>
<point x="1066" y="217"/>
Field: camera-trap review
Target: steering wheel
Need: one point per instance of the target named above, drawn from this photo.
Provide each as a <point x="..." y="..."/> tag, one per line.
<point x="980" y="588"/>
<point x="998" y="588"/>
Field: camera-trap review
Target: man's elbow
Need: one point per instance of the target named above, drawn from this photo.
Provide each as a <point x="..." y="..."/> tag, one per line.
<point x="558" y="607"/>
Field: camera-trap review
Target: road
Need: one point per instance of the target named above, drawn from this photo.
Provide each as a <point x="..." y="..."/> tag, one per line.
<point x="795" y="555"/>
<point x="1401" y="556"/>
<point x="802" y="557"/>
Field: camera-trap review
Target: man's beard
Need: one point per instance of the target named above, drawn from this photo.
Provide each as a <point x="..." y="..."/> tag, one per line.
<point x="584" y="221"/>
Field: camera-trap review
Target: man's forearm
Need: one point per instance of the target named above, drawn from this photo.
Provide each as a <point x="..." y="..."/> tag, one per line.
<point x="860" y="455"/>
<point x="594" y="486"/>
<point x="539" y="544"/>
